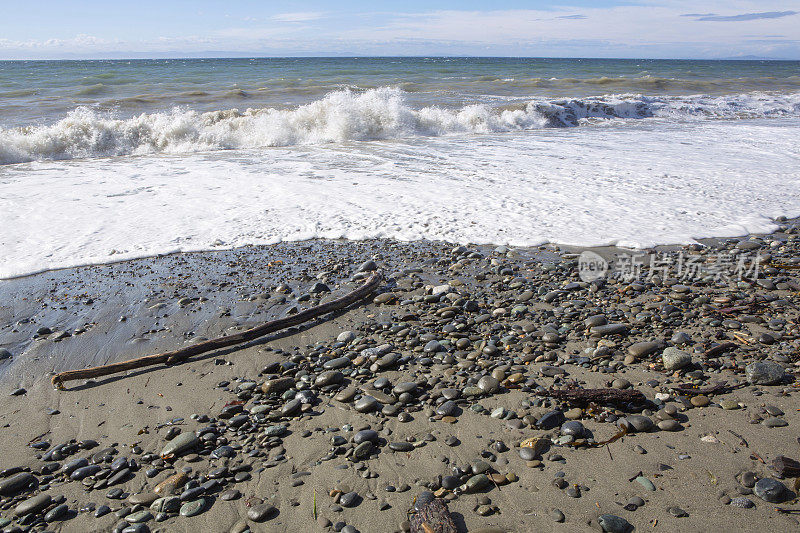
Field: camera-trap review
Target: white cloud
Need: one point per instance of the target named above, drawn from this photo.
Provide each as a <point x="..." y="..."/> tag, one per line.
<point x="301" y="16"/>
<point x="655" y="28"/>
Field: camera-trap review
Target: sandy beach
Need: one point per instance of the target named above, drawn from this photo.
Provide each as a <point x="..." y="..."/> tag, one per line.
<point x="424" y="390"/>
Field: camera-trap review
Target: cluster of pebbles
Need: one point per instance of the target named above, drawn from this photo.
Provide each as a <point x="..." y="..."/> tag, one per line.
<point x="459" y="333"/>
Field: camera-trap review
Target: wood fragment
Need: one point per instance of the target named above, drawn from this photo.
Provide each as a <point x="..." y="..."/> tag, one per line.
<point x="180" y="355"/>
<point x="719" y="349"/>
<point x="433" y="517"/>
<point x="692" y="390"/>
<point x="614" y="438"/>
<point x="599" y="396"/>
<point x="743" y="441"/>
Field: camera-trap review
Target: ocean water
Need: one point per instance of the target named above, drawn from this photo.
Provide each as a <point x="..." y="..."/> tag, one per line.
<point x="107" y="160"/>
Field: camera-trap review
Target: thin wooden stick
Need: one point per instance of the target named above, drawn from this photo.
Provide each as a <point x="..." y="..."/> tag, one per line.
<point x="181" y="354"/>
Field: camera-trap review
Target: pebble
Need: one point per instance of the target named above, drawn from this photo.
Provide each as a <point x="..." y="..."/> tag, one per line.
<point x="775" y="422"/>
<point x="675" y="359"/>
<point x="448" y="408"/>
<point x="646" y="483"/>
<point x="261" y="512"/>
<point x="180" y="444"/>
<point x="770" y="490"/>
<point x="614" y="524"/>
<point x="33" y="505"/>
<point x="365" y="404"/>
<point x="194" y="507"/>
<point x="700" y="400"/>
<point x="639" y="423"/>
<point x="764" y="373"/>
<point x="641" y="349"/>
<point x="669" y="425"/>
<point x="572" y="428"/>
<point x="16" y="483"/>
<point x="742" y="502"/>
<point x="349" y="499"/>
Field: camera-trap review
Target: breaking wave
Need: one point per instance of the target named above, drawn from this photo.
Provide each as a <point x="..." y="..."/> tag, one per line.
<point x="375" y="114"/>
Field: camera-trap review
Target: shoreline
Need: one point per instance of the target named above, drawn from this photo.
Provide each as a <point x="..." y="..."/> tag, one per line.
<point x="778" y="222"/>
<point x="469" y="326"/>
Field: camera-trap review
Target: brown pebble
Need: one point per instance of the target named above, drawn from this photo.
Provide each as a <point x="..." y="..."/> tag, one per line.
<point x="700" y="400"/>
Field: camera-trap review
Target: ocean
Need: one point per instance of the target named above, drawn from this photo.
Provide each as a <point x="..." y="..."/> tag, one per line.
<point x="107" y="160"/>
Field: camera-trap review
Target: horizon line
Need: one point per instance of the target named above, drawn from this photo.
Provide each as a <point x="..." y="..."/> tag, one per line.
<point x="409" y="56"/>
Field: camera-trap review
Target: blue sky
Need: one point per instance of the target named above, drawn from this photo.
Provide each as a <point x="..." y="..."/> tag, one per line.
<point x="572" y="28"/>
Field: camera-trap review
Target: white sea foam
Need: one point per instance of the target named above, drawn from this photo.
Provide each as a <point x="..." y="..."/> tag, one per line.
<point x="375" y="114"/>
<point x="630" y="184"/>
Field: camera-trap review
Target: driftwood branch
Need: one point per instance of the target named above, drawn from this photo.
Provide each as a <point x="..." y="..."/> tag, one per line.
<point x="692" y="390"/>
<point x="719" y="349"/>
<point x="598" y="396"/>
<point x="433" y="517"/>
<point x="182" y="354"/>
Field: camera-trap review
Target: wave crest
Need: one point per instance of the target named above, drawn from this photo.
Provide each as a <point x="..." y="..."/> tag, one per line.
<point x="346" y="116"/>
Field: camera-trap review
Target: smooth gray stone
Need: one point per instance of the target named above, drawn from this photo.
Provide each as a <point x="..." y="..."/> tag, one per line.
<point x="292" y="407"/>
<point x="349" y="499"/>
<point x="639" y="423"/>
<point x="550" y="420"/>
<point x="329" y="377"/>
<point x="119" y="476"/>
<point x="433" y="347"/>
<point x="275" y="431"/>
<point x="614" y="524"/>
<point x="572" y="427"/>
<point x="261" y="512"/>
<point x="448" y="408"/>
<point x="334" y="364"/>
<point x="139" y="517"/>
<point x="388" y="360"/>
<point x="56" y="513"/>
<point x="640" y="349"/>
<point x="450" y="482"/>
<point x="194" y="507"/>
<point x="230" y="494"/>
<point x="595" y="320"/>
<point x="681" y="338"/>
<point x="346" y="336"/>
<point x="74" y="464"/>
<point x="362" y="451"/>
<point x="167" y="504"/>
<point x="223" y="451"/>
<point x="675" y="359"/>
<point x="365" y="404"/>
<point x="477" y="482"/>
<point x="775" y="422"/>
<point x="404" y="387"/>
<point x="608" y="329"/>
<point x="770" y="490"/>
<point x="180" y="444"/>
<point x="488" y="384"/>
<point x="527" y="454"/>
<point x="33" y="505"/>
<point x="16" y="483"/>
<point x="365" y="435"/>
<point x="401" y="446"/>
<point x="142" y="498"/>
<point x="85" y="471"/>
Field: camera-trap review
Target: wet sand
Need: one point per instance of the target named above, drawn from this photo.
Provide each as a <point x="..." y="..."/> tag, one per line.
<point x="455" y="317"/>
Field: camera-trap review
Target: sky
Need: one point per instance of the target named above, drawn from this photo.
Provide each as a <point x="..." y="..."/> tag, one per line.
<point x="705" y="29"/>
